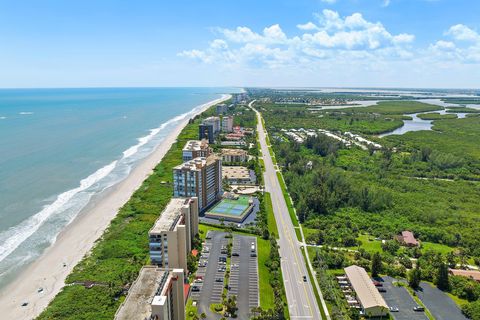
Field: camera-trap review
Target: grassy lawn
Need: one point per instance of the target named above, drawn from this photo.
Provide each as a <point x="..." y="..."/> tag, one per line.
<point x="437" y="247"/>
<point x="272" y="224"/>
<point x="369" y="244"/>
<point x="190" y="310"/>
<point x="308" y="231"/>
<point x="459" y="301"/>
<point x="266" y="291"/>
<point x="291" y="211"/>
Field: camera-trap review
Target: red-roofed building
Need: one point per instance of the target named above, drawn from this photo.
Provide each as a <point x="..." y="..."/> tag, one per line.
<point x="407" y="239"/>
<point x="472" y="274"/>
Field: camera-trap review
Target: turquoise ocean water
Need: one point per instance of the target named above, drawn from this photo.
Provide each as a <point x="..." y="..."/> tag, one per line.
<point x="61" y="147"/>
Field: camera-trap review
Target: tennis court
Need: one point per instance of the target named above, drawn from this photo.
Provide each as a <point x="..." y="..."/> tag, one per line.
<point x="231" y="209"/>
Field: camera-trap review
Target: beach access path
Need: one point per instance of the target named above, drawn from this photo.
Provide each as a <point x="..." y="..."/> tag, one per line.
<point x="50" y="270"/>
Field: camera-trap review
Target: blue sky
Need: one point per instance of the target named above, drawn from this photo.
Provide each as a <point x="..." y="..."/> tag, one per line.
<point x="396" y="43"/>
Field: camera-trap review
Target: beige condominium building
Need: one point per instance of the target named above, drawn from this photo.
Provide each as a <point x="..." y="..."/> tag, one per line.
<point x="170" y="239"/>
<point x="371" y="301"/>
<point x="214" y="122"/>
<point x="194" y="149"/>
<point x="201" y="178"/>
<point x="238" y="175"/>
<point x="227" y="124"/>
<point x="234" y="155"/>
<point x="156" y="294"/>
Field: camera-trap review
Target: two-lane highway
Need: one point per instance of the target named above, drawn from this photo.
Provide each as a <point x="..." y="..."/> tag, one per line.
<point x="300" y="296"/>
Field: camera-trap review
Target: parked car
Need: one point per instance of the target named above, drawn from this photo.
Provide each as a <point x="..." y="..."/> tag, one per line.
<point x="235" y="254"/>
<point x="253" y="254"/>
<point x="219" y="280"/>
<point x="377" y="283"/>
<point x="380" y="289"/>
<point x="304" y="278"/>
<point x="24" y="304"/>
<point x="393" y="309"/>
<point x="418" y="308"/>
<point x="195" y="289"/>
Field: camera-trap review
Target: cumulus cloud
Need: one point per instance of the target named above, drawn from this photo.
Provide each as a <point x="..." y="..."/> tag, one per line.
<point x="464" y="33"/>
<point x="332" y="38"/>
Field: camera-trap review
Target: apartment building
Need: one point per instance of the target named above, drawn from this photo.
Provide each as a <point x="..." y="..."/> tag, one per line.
<point x="173" y="233"/>
<point x="214" y="122"/>
<point x="227" y="124"/>
<point x="194" y="149"/>
<point x="206" y="132"/>
<point x="234" y="155"/>
<point x="201" y="178"/>
<point x="156" y="294"/>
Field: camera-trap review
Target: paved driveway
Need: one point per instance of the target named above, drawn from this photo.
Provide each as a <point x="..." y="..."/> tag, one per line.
<point x="439" y="303"/>
<point x="400" y="298"/>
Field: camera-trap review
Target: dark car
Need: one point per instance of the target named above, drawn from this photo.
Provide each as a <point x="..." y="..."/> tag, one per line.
<point x="219" y="280"/>
<point x="380" y="289"/>
<point x="235" y="254"/>
<point x="195" y="289"/>
<point x="304" y="278"/>
<point x="418" y="308"/>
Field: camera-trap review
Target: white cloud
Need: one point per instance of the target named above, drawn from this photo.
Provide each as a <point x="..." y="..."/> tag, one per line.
<point x="334" y="41"/>
<point x="462" y="32"/>
<point x="386" y="3"/>
<point x="307" y="26"/>
<point x="403" y="38"/>
<point x="329" y="1"/>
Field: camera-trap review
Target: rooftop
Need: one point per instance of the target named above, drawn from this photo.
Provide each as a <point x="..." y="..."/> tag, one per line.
<point x="233" y="152"/>
<point x="170" y="216"/>
<point x="472" y="274"/>
<point x="195" y="145"/>
<point x="236" y="172"/>
<point x="367" y="293"/>
<point x="197" y="163"/>
<point x="409" y="238"/>
<point x="141" y="294"/>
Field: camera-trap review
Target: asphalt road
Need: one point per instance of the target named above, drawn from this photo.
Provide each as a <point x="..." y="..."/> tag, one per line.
<point x="300" y="296"/>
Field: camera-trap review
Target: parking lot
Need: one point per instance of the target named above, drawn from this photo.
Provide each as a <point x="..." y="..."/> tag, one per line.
<point x="439" y="303"/>
<point x="208" y="287"/>
<point x="400" y="298"/>
<point x="244" y="274"/>
<point x="243" y="278"/>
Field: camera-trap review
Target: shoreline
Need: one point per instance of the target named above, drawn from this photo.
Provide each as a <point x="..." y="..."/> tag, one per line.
<point x="78" y="238"/>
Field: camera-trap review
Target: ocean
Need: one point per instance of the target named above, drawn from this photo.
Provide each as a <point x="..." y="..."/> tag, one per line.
<point x="61" y="147"/>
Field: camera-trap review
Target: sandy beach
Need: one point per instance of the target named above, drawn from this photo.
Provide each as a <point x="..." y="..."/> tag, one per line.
<point x="77" y="239"/>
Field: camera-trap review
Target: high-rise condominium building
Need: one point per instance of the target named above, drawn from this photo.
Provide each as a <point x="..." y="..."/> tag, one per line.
<point x="170" y="239"/>
<point x="214" y="122"/>
<point x="206" y="132"/>
<point x="201" y="178"/>
<point x="156" y="294"/>
<point x="227" y="124"/>
<point x="194" y="149"/>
